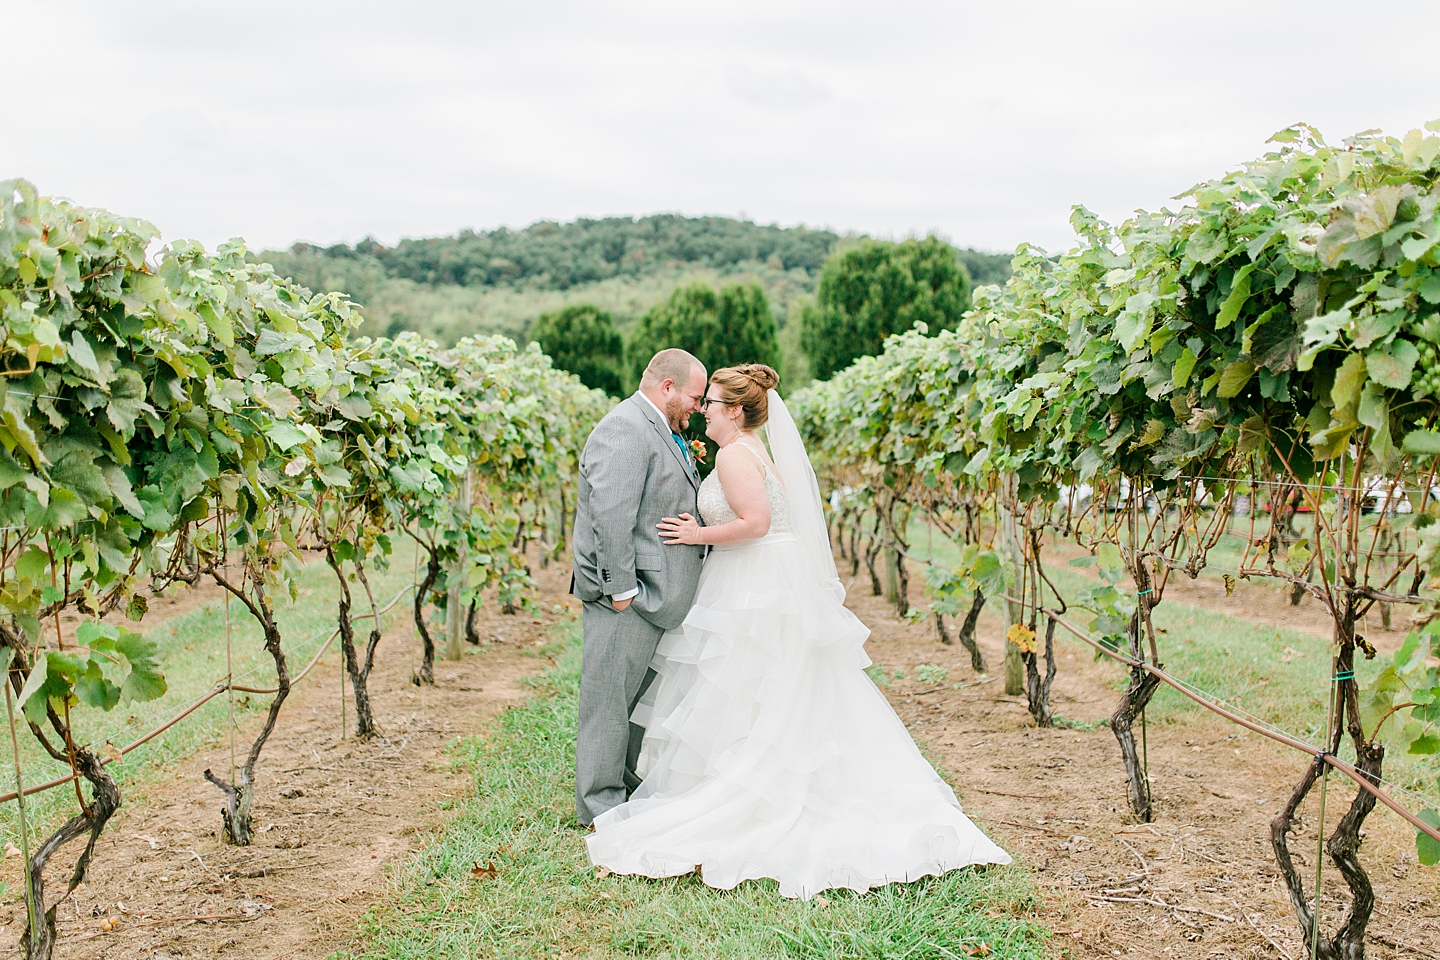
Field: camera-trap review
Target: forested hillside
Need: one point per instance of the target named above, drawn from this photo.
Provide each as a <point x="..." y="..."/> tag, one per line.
<point x="552" y="256"/>
<point x="499" y="281"/>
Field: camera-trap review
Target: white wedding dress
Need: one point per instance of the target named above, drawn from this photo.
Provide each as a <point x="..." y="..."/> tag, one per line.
<point x="768" y="751"/>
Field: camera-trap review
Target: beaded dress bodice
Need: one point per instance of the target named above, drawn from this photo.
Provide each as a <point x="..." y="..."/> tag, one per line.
<point x="715" y="509"/>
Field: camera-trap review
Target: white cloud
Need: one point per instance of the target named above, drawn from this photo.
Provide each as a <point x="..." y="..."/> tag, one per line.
<point x="326" y="120"/>
<point x="779" y="89"/>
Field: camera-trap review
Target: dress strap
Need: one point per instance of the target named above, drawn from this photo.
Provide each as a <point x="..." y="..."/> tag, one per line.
<point x="756" y="454"/>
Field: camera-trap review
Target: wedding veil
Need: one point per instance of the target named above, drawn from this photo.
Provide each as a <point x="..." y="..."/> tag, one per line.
<point x="807" y="514"/>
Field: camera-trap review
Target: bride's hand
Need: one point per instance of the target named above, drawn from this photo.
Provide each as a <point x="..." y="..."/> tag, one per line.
<point x="683" y="529"/>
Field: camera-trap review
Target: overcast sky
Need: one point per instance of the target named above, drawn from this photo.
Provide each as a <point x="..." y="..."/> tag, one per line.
<point x="326" y="121"/>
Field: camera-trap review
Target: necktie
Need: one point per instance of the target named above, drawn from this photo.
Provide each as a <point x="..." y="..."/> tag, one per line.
<point x="680" y="442"/>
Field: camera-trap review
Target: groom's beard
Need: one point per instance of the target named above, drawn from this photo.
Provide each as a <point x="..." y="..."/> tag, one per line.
<point x="675" y="413"/>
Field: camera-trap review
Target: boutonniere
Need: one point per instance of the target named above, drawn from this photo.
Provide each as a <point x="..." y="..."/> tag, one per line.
<point x="697" y="450"/>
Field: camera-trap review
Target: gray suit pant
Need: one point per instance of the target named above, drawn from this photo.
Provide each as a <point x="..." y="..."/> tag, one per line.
<point x="614" y="672"/>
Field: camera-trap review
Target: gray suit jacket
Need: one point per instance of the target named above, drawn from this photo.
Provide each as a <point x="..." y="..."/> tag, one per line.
<point x="632" y="475"/>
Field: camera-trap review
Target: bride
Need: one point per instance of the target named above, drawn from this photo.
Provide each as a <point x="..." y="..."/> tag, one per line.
<point x="768" y="751"/>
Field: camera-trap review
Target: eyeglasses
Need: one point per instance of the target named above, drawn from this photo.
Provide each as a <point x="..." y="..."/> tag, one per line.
<point x="709" y="400"/>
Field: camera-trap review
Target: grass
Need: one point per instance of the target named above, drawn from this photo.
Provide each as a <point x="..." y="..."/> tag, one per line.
<point x="193" y="657"/>
<point x="545" y="900"/>
<point x="1277" y="675"/>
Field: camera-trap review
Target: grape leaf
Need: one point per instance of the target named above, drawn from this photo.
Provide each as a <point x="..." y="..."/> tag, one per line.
<point x="127" y="400"/>
<point x="355" y="408"/>
<point x="40" y="686"/>
<point x="286" y="435"/>
<point x="1234" y="378"/>
<point x="1421" y="441"/>
<point x="1183" y="366"/>
<point x="271" y="342"/>
<point x="94" y="690"/>
<point x="83" y="354"/>
<point x="281" y="401"/>
<point x="1394" y="366"/>
<point x="119" y="483"/>
<point x="14" y="424"/>
<point x="63" y="511"/>
<point x="218" y="324"/>
<point x="1235" y="302"/>
<point x="1348" y="381"/>
<point x="1427" y="846"/>
<point x="145" y="681"/>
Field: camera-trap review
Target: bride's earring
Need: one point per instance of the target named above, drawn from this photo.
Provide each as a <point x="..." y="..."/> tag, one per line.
<point x="735" y="423"/>
<point x="734" y="427"/>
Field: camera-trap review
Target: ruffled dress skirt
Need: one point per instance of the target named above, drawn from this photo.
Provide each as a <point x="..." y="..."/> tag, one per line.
<point x="770" y="753"/>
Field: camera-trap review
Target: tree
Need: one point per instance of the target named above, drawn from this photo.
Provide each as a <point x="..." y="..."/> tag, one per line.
<point x="582" y="340"/>
<point x="876" y="288"/>
<point x="733" y="325"/>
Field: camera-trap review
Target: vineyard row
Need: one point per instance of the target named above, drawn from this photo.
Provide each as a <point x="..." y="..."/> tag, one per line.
<point x="192" y="416"/>
<point x="1269" y="351"/>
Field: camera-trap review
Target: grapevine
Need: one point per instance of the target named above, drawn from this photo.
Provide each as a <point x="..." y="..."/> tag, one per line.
<point x="1272" y="341"/>
<point x="191" y="414"/>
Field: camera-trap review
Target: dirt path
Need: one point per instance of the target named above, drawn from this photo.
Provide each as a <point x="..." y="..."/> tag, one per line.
<point x="1055" y="798"/>
<point x="331" y="815"/>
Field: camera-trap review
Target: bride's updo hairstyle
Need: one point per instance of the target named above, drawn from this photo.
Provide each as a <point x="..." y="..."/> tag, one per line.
<point x="744" y="386"/>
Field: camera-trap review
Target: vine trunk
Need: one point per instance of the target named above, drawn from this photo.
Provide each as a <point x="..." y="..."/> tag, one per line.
<point x="1348" y="942"/>
<point x="426" y="674"/>
<point x="104" y="801"/>
<point x="1037" y="688"/>
<point x="239" y="796"/>
<point x="358" y="670"/>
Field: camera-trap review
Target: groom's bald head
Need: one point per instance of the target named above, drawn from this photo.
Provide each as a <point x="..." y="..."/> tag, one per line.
<point x="673" y="364"/>
<point x="675" y="382"/>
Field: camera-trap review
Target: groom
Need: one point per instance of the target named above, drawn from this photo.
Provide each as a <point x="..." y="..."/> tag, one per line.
<point x="634" y="471"/>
